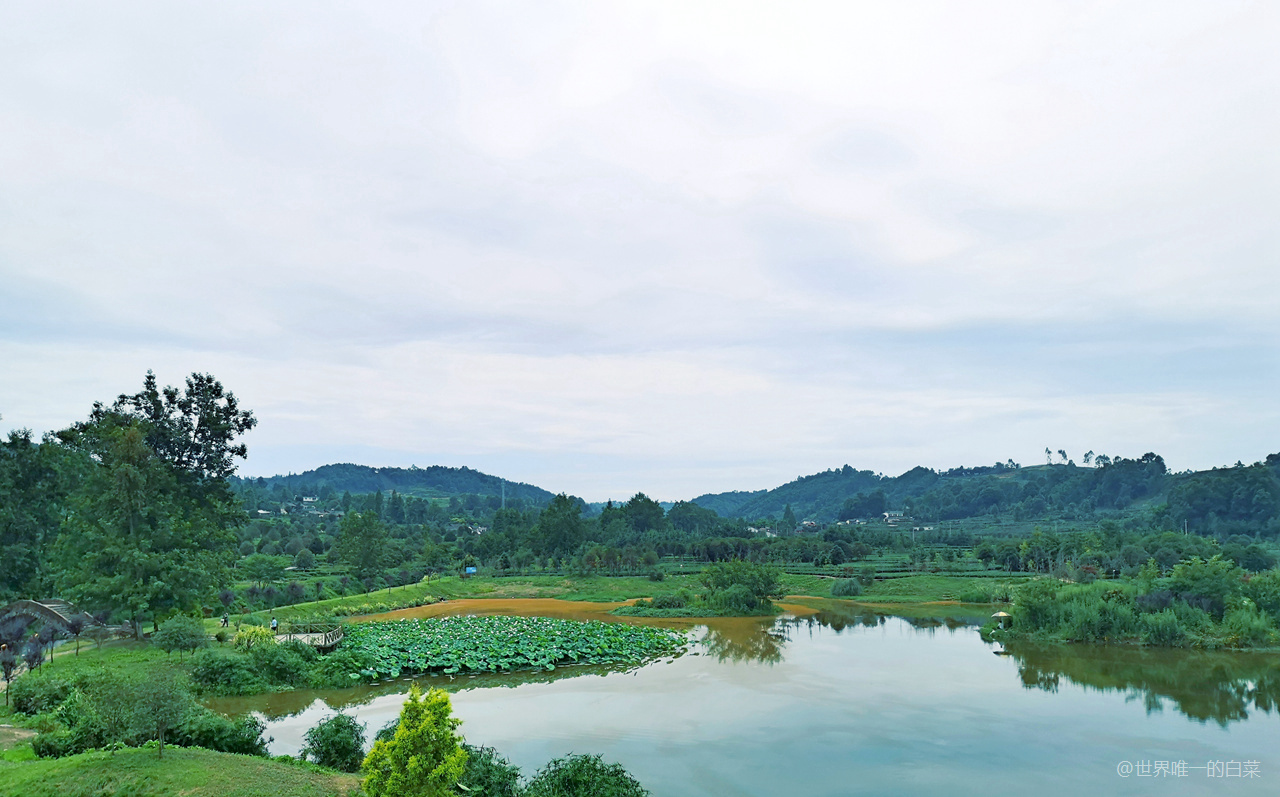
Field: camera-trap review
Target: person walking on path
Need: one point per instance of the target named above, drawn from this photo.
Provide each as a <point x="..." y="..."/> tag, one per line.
<point x="275" y="627"/>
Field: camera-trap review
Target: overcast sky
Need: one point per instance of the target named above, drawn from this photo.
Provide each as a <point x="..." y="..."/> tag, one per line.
<point x="680" y="248"/>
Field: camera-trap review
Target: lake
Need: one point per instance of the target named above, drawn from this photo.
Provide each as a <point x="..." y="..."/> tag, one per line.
<point x="837" y="699"/>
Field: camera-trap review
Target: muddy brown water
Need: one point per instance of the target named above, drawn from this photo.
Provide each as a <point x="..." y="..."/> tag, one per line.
<point x="834" y="698"/>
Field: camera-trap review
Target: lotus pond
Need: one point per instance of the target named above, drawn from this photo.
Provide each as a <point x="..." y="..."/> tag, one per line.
<point x="844" y="700"/>
<point x="469" y="644"/>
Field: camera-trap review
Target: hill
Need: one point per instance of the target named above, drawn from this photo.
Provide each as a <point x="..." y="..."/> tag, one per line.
<point x="1242" y="498"/>
<point x="434" y="481"/>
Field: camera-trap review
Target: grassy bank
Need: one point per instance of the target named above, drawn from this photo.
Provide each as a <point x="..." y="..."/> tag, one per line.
<point x="191" y="772"/>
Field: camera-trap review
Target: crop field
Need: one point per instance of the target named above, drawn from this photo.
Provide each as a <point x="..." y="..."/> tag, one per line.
<point x="501" y="643"/>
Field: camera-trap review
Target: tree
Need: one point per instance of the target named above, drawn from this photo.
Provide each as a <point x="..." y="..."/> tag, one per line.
<point x="337" y="743"/>
<point x="362" y="541"/>
<point x="425" y="757"/>
<point x="180" y="633"/>
<point x="8" y="663"/>
<point x="34" y="483"/>
<point x="788" y="519"/>
<point x="160" y="703"/>
<point x="33" y="655"/>
<point x="151" y="527"/>
<point x="560" y="526"/>
<point x="643" y="513"/>
<point x="262" y="569"/>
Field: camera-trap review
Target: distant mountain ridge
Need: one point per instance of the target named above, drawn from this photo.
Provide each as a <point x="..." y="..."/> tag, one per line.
<point x="1243" y="498"/>
<point x="348" y="477"/>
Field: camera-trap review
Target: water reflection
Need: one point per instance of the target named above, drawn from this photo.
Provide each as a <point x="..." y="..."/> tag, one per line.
<point x="1204" y="686"/>
<point x="279" y="705"/>
<point x="1222" y="687"/>
<point x="754" y="641"/>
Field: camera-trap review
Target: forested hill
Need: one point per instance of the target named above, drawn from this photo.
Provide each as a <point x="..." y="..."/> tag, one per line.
<point x="1212" y="501"/>
<point x="435" y="480"/>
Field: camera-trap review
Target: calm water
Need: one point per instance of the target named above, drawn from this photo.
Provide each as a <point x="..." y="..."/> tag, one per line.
<point x="842" y="702"/>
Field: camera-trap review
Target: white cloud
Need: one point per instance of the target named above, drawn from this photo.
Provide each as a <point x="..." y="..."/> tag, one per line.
<point x="644" y="246"/>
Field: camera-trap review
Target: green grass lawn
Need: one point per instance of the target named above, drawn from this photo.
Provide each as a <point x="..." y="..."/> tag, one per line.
<point x="191" y="772"/>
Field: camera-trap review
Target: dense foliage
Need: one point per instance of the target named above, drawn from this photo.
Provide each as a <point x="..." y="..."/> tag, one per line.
<point x="424" y="758"/>
<point x="583" y="776"/>
<point x="499" y="644"/>
<point x="99" y="708"/>
<point x="1208" y="604"/>
<point x="337" y="743"/>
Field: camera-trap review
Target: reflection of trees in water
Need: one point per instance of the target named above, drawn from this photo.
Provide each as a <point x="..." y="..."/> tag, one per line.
<point x="288" y="704"/>
<point x="1219" y="686"/>
<point x="754" y="641"/>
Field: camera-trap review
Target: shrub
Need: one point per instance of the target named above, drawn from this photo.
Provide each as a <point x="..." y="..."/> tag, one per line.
<point x="251" y="636"/>
<point x="180" y="633"/>
<point x="1245" y="626"/>
<point x="337" y="743"/>
<point x="654" y="575"/>
<point x="736" y="599"/>
<point x="846" y="588"/>
<point x="212" y="731"/>
<point x="342" y="667"/>
<point x="1161" y="628"/>
<point x="488" y="774"/>
<point x="761" y="581"/>
<point x="583" y="776"/>
<point x="223" y="672"/>
<point x="279" y="664"/>
<point x="424" y="757"/>
<point x="668" y="602"/>
<point x="35" y="693"/>
<point x="52" y="745"/>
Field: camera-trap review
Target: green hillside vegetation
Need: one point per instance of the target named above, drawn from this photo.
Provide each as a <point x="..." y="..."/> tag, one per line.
<point x="192" y="772"/>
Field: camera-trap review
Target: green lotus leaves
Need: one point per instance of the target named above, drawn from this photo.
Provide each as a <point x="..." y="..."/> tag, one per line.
<point x="500" y="644"/>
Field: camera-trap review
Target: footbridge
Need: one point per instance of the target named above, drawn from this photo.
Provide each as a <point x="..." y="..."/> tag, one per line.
<point x="53" y="612"/>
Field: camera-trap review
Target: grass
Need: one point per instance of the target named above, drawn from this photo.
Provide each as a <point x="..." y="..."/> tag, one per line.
<point x="191" y="772"/>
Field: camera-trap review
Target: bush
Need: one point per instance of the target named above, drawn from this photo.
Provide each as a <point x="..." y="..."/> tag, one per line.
<point x="212" y="731"/>
<point x="1161" y="628"/>
<point x="180" y="633"/>
<point x="222" y="672"/>
<point x="52" y="745"/>
<point x="283" y="665"/>
<point x="35" y="693"/>
<point x="846" y="588"/>
<point x="251" y="636"/>
<point x="654" y="575"/>
<point x="736" y="599"/>
<point x="424" y="756"/>
<point x="337" y="743"/>
<point x="668" y="602"/>
<point x="1245" y="626"/>
<point x="488" y="774"/>
<point x="342" y="667"/>
<point x="583" y="776"/>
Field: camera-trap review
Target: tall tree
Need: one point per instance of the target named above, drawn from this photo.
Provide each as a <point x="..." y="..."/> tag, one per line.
<point x="151" y="526"/>
<point x="561" y="529"/>
<point x="362" y="542"/>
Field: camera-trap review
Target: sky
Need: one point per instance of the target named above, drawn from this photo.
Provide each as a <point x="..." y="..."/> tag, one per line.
<point x="672" y="247"/>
